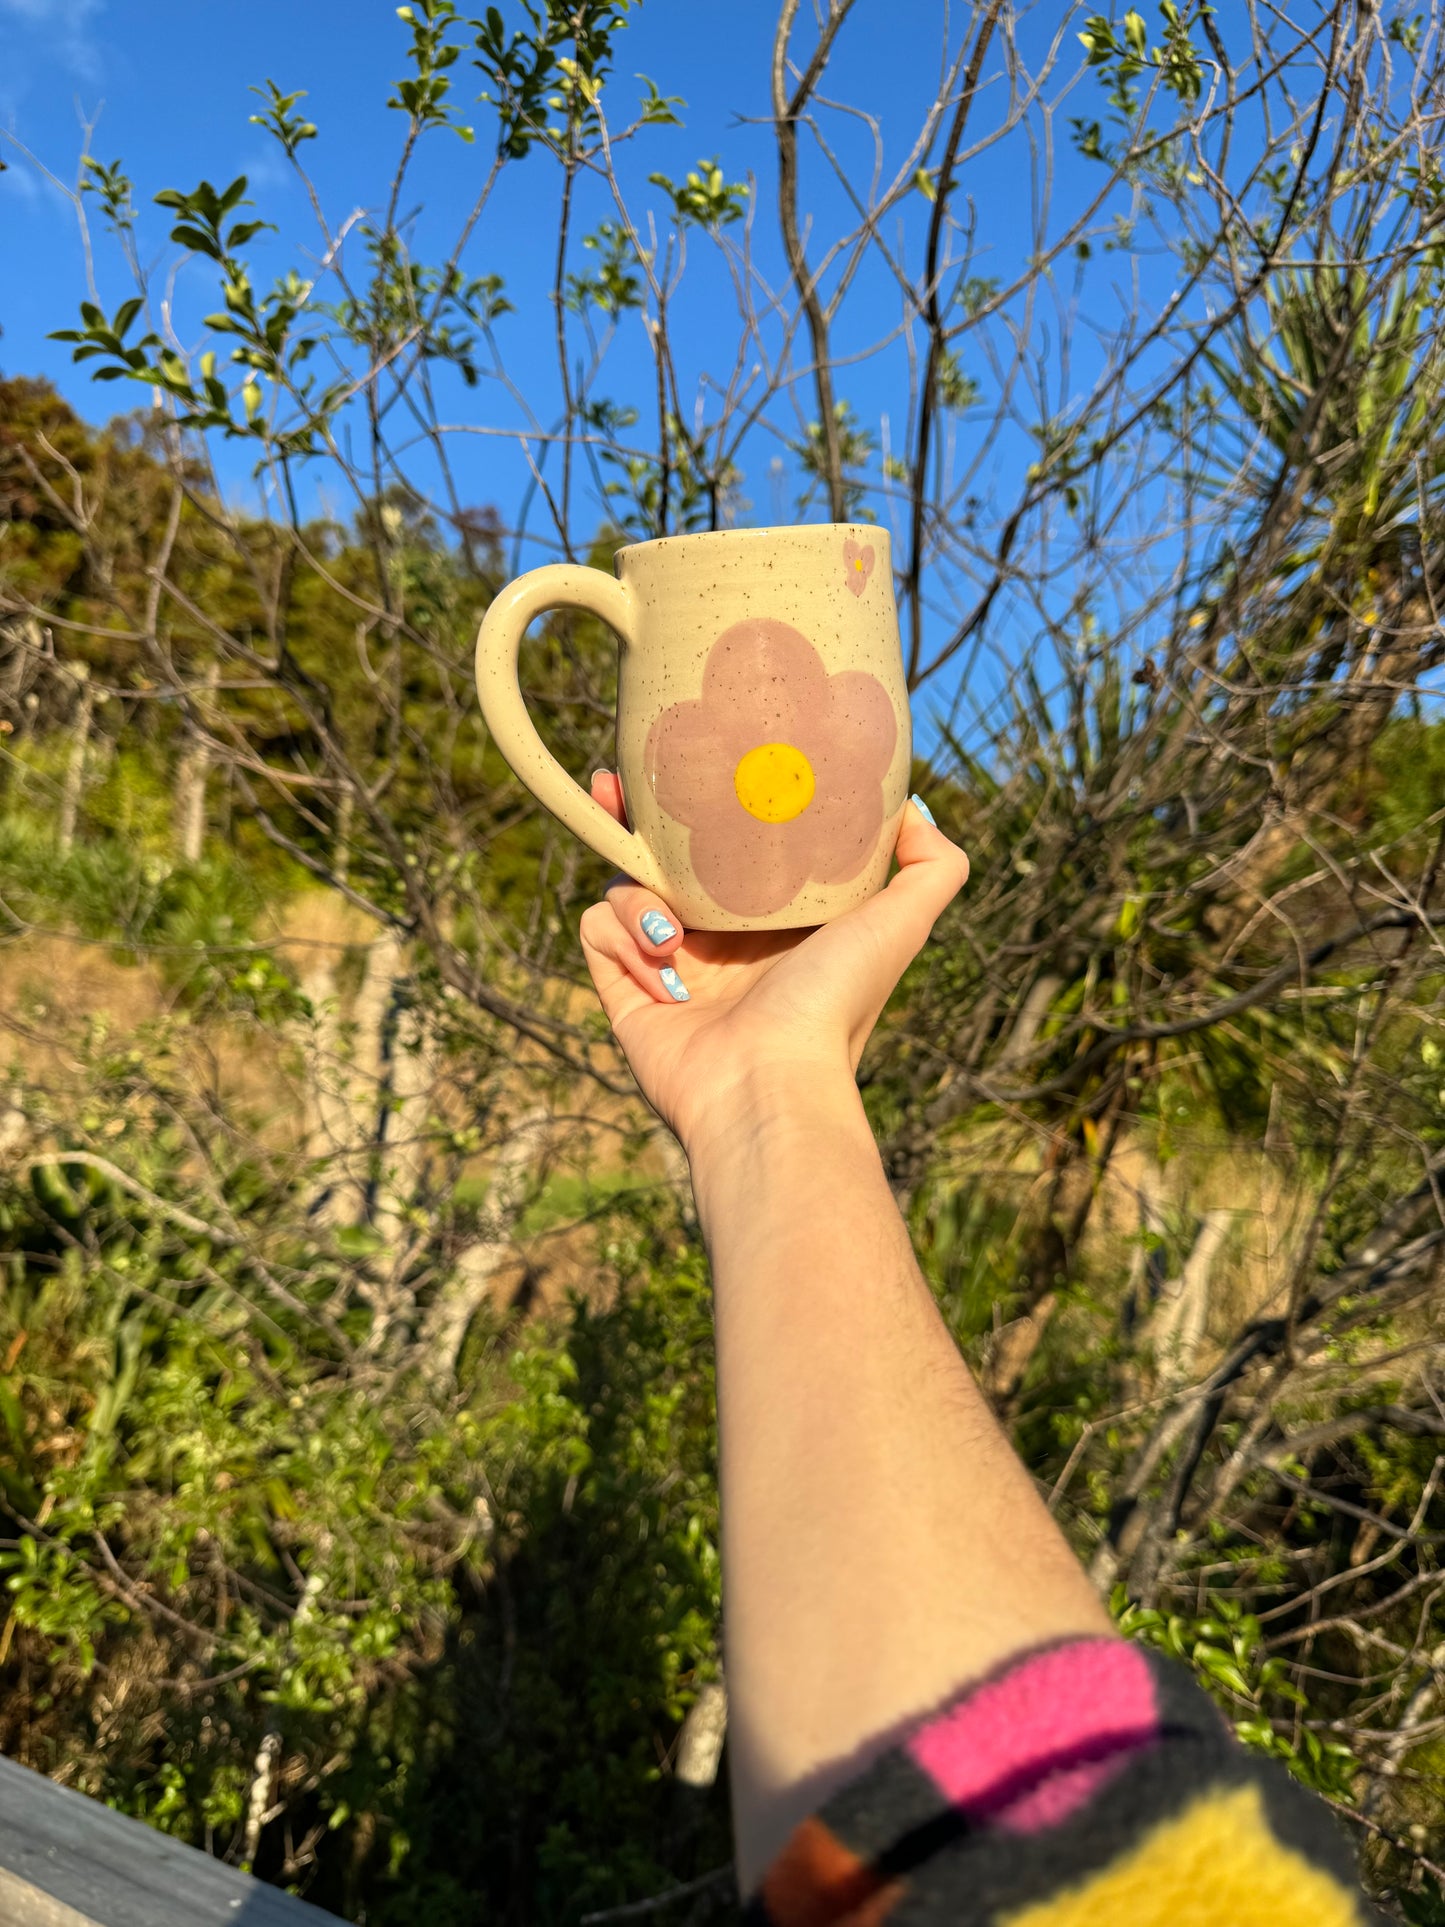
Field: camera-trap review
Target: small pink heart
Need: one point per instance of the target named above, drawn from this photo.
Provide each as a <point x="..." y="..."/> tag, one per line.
<point x="857" y="564"/>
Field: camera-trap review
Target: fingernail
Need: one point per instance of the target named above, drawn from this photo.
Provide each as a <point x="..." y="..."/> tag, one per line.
<point x="922" y="809"/>
<point x="656" y="928"/>
<point x="673" y="985"/>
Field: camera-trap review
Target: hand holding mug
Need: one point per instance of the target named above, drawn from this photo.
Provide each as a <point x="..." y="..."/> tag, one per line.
<point x="761" y="1011"/>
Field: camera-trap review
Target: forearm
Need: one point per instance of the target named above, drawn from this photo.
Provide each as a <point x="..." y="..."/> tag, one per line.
<point x="881" y="1541"/>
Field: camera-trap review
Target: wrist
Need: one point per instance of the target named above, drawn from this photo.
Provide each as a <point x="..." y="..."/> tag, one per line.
<point x="759" y="1120"/>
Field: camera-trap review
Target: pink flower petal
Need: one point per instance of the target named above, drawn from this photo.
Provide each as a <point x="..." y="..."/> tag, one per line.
<point x="862" y="728"/>
<point x="765" y="682"/>
<point x="767" y="674"/>
<point x="840" y="830"/>
<point x="748" y="867"/>
<point x="762" y="681"/>
<point x="691" y="752"/>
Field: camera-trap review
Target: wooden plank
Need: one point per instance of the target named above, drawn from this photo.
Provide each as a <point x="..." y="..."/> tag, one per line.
<point x="66" y="1861"/>
<point x="22" y="1905"/>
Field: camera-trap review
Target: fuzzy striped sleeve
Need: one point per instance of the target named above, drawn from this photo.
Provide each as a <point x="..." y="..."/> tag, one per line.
<point x="1089" y="1784"/>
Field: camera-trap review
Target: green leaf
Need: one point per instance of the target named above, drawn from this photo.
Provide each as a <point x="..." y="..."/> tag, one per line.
<point x="359" y="1241"/>
<point x="196" y="240"/>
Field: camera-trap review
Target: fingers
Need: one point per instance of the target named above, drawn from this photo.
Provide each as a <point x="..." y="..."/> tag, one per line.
<point x="923" y="850"/>
<point x="626" y="979"/>
<point x="655" y="930"/>
<point x="632" y="939"/>
<point x="931" y="872"/>
<point x="607" y="790"/>
<point x="620" y="993"/>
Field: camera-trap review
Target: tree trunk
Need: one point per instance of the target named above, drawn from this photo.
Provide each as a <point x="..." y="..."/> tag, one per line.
<point x="1029" y="1022"/>
<point x="403" y="1127"/>
<point x="345" y="1085"/>
<point x="700" y="1744"/>
<point x="195" y="767"/>
<point x="1012" y="1353"/>
<point x="327" y="1114"/>
<point x="444" y="1330"/>
<point x="14" y="1128"/>
<point x="75" y="767"/>
<point x="341" y="842"/>
<point x="370" y="1021"/>
<point x="1400" y="1742"/>
<point x="1177" y="1326"/>
<point x="22" y="646"/>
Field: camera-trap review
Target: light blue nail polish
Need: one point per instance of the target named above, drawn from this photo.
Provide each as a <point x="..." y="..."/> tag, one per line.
<point x="673" y="985"/>
<point x="922" y="809"/>
<point x="656" y="928"/>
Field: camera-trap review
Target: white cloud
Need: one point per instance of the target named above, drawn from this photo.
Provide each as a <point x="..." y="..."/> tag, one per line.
<point x="63" y="28"/>
<point x="24" y="184"/>
<point x="20" y="180"/>
<point x="264" y="168"/>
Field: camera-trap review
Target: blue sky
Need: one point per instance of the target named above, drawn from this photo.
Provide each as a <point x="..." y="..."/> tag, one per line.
<point x="170" y="82"/>
<point x="167" y="86"/>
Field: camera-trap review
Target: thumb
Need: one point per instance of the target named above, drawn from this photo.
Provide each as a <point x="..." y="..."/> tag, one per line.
<point x="931" y="872"/>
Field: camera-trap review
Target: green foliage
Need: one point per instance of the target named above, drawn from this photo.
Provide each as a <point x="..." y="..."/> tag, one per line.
<point x="422" y="97"/>
<point x="956" y="390"/>
<point x="280" y="118"/>
<point x="611" y="286"/>
<point x="267" y="344"/>
<point x="705" y="199"/>
<point x="1122" y="54"/>
<point x="855" y="450"/>
<point x="968" y="1242"/>
<point x="1407" y="783"/>
<point x="442" y="311"/>
<point x="112" y="189"/>
<point x="533" y="76"/>
<point x="610" y="1572"/>
<point x="127" y="890"/>
<point x="646" y="493"/>
<point x="1225" y="1648"/>
<point x="475" y="1626"/>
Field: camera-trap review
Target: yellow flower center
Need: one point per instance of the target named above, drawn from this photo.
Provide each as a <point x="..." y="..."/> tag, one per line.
<point x="858" y="563"/>
<point x="774" y="782"/>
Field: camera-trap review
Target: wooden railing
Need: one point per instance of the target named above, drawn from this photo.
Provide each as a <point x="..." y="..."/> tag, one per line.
<point x="66" y="1861"/>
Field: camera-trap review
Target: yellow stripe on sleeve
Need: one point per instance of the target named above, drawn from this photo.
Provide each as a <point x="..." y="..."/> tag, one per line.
<point x="1217" y="1864"/>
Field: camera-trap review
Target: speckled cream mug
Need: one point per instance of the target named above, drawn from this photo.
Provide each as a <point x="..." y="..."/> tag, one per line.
<point x="763" y="735"/>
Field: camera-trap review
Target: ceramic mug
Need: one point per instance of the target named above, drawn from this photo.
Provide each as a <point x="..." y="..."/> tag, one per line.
<point x="763" y="737"/>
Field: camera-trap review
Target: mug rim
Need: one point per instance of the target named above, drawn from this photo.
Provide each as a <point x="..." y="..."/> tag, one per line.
<point x="773" y="529"/>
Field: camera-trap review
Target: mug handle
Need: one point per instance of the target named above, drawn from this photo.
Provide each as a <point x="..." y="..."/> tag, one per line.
<point x="560" y="585"/>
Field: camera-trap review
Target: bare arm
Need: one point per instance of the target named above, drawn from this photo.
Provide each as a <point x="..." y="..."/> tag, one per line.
<point x="882" y="1544"/>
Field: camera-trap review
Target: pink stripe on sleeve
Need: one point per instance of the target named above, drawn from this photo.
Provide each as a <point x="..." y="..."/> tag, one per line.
<point x="1025" y="1751"/>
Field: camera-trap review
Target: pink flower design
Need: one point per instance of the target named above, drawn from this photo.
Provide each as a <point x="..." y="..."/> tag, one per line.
<point x="776" y="768"/>
<point x="857" y="563"/>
